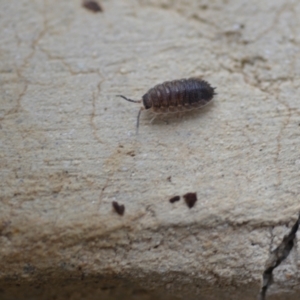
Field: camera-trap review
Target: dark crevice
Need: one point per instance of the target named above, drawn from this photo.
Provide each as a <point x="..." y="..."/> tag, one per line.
<point x="276" y="257"/>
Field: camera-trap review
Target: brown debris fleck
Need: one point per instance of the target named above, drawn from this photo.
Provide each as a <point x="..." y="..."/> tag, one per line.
<point x="120" y="209"/>
<point x="174" y="199"/>
<point x="92" y="5"/>
<point x="190" y="199"/>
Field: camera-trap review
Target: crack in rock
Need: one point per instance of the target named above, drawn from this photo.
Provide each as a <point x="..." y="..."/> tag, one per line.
<point x="276" y="257"/>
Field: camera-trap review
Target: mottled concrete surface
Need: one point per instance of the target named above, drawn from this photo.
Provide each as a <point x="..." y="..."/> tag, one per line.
<point x="68" y="148"/>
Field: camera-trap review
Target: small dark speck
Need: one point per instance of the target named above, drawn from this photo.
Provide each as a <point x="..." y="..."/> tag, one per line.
<point x="92" y="6"/>
<point x="169" y="178"/>
<point x="118" y="208"/>
<point x="28" y="268"/>
<point x="131" y="153"/>
<point x="174" y="199"/>
<point x="260" y="149"/>
<point x="190" y="199"/>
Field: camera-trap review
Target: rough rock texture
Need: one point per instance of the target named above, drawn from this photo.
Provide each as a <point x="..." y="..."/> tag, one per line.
<point x="68" y="149"/>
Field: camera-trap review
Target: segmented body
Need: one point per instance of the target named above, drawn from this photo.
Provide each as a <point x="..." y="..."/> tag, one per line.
<point x="175" y="96"/>
<point x="178" y="95"/>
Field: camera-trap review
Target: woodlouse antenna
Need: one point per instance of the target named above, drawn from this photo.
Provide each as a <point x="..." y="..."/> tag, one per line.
<point x="138" y="116"/>
<point x="130" y="100"/>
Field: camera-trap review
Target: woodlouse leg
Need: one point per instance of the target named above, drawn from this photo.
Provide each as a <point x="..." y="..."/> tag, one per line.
<point x="179" y="115"/>
<point x="138" y="120"/>
<point x="155" y="115"/>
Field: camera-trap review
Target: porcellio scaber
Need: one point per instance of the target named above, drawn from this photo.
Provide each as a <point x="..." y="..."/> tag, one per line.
<point x="175" y="96"/>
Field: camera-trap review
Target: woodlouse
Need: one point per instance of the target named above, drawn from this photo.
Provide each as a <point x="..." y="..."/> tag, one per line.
<point x="175" y="96"/>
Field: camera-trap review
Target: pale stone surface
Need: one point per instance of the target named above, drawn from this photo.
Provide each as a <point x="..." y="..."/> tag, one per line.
<point x="68" y="148"/>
